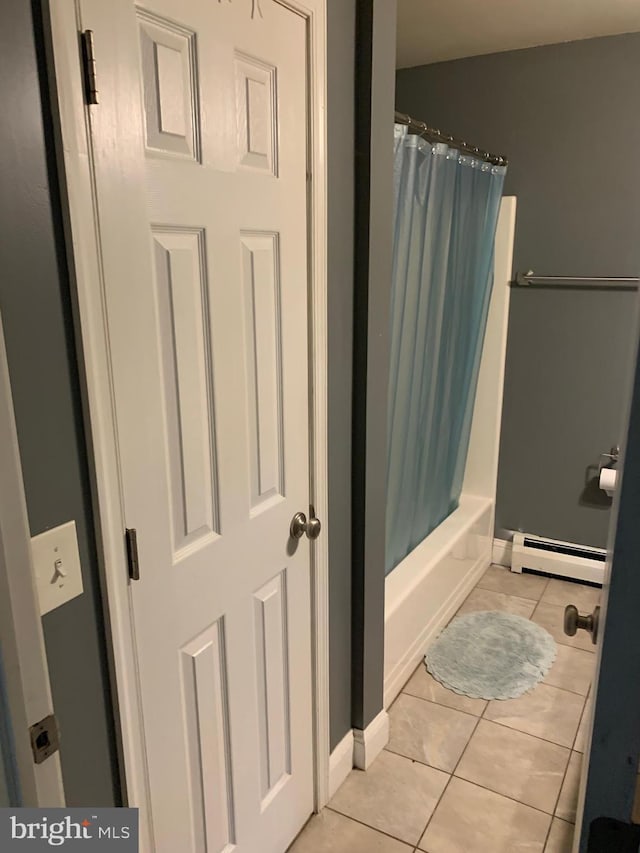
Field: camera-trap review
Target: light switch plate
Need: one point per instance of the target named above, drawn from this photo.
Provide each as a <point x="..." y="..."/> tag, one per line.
<point x="56" y="564"/>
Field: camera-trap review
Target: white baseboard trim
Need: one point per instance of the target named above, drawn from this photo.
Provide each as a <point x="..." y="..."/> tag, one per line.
<point x="501" y="555"/>
<point x="340" y="763"/>
<point x="368" y="743"/>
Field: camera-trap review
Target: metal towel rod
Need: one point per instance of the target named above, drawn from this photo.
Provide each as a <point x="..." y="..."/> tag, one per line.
<point x="525" y="279"/>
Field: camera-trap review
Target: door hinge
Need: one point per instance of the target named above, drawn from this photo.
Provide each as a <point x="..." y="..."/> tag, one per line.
<point x="44" y="738"/>
<point x="131" y="537"/>
<point x="89" y="67"/>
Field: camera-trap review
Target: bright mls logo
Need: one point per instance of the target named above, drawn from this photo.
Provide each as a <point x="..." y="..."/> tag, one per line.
<point x="35" y="830"/>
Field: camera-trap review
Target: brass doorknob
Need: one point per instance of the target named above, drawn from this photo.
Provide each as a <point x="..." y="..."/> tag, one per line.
<point x="574" y="621"/>
<point x="299" y="526"/>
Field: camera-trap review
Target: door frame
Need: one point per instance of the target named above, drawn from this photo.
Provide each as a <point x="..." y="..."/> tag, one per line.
<point x="82" y="231"/>
<point x="24" y="659"/>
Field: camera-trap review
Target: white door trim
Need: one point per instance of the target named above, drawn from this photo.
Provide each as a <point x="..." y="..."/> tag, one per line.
<point x="21" y="638"/>
<point x="341" y="763"/>
<point x="82" y="233"/>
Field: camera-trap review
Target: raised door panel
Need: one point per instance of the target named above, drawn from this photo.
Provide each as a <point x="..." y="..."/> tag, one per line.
<point x="261" y="285"/>
<point x="272" y="673"/>
<point x="170" y="85"/>
<point x="185" y="343"/>
<point x="257" y="96"/>
<point x="207" y="737"/>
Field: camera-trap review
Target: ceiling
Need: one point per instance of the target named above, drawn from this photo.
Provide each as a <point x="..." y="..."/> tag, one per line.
<point x="437" y="30"/>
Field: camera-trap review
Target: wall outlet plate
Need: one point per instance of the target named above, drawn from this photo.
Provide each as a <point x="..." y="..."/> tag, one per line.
<point x="56" y="564"/>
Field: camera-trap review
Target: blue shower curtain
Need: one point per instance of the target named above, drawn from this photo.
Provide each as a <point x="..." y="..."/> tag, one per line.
<point x="446" y="212"/>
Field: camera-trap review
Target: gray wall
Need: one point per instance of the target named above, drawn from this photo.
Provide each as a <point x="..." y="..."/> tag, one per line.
<point x="35" y="308"/>
<point x="567" y="117"/>
<point x="340" y="128"/>
<point x="376" y="21"/>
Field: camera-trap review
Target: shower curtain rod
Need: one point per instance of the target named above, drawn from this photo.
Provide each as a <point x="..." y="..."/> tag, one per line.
<point x="434" y="135"/>
<point x="523" y="279"/>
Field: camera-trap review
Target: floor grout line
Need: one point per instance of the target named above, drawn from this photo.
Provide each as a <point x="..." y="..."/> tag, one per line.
<point x="528" y="734"/>
<point x="564" y="779"/>
<point x="417" y="761"/>
<point x="564" y="689"/>
<point x="499" y="793"/>
<point x="470" y="782"/>
<point x="537" y="737"/>
<point x="546" y="838"/>
<point x="505" y="796"/>
<point x="561" y="642"/>
<point x="502" y="592"/>
<point x="442" y="705"/>
<point x="451" y="775"/>
<point x="566" y="770"/>
<point x="575" y="740"/>
<point x="368" y="826"/>
<point x="435" y="809"/>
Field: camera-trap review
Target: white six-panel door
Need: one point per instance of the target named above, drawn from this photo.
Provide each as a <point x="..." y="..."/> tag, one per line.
<point x="200" y="163"/>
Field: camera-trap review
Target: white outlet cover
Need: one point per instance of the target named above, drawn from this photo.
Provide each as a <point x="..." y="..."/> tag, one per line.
<point x="56" y="564"/>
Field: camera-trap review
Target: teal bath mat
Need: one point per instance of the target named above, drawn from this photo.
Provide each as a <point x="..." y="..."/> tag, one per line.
<point x="491" y="655"/>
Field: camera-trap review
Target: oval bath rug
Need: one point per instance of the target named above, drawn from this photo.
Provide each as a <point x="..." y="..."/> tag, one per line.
<point x="491" y="655"/>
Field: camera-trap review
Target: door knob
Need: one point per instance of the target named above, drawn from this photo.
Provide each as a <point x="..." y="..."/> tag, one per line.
<point x="300" y="526"/>
<point x="574" y="621"/>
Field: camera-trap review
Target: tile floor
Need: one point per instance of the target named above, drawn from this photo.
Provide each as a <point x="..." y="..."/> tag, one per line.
<point x="464" y="775"/>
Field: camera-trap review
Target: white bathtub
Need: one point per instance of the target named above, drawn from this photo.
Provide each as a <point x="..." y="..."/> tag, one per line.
<point x="424" y="591"/>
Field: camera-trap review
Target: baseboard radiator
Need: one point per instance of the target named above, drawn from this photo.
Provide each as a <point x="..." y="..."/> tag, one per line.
<point x="565" y="559"/>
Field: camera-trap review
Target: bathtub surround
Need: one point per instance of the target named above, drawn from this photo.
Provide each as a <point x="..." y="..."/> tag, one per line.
<point x="428" y="586"/>
<point x="569" y="350"/>
<point x="445" y="218"/>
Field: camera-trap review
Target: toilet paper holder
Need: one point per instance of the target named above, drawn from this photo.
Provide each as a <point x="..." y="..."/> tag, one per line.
<point x="613" y="456"/>
<point x="608" y="466"/>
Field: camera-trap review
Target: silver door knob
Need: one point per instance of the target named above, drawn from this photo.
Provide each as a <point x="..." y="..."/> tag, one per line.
<point x="573" y="621"/>
<point x="300" y="526"/>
